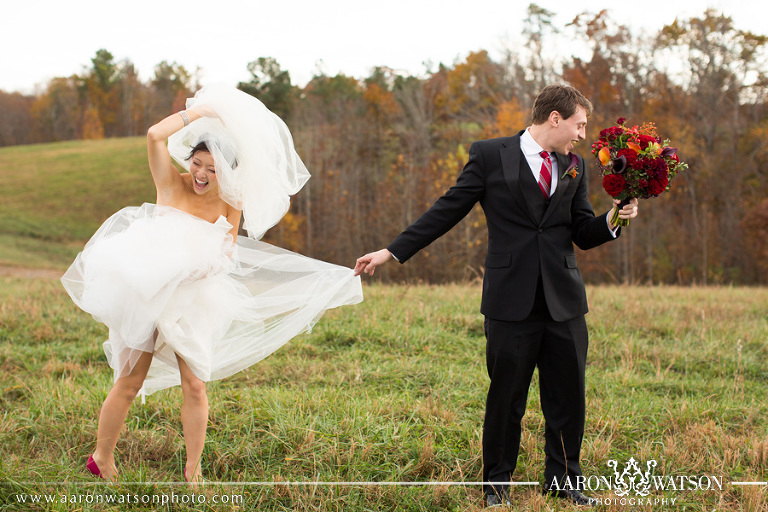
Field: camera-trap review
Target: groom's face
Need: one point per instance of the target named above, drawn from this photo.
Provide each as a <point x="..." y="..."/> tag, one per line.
<point x="569" y="132"/>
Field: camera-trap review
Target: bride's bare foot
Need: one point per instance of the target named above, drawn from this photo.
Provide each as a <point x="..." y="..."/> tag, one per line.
<point x="105" y="467"/>
<point x="195" y="476"/>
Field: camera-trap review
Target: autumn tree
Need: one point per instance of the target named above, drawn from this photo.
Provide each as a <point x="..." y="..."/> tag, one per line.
<point x="169" y="89"/>
<point x="272" y="85"/>
<point x="16" y="121"/>
<point x="101" y="102"/>
<point x="473" y="90"/>
<point x="132" y="116"/>
<point x="56" y="113"/>
<point x="328" y="130"/>
<point x="382" y="148"/>
<point x="719" y="63"/>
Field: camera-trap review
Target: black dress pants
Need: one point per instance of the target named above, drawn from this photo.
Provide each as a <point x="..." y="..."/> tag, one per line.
<point x="513" y="350"/>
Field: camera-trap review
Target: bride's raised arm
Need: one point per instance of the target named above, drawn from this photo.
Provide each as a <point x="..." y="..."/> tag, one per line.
<point x="164" y="174"/>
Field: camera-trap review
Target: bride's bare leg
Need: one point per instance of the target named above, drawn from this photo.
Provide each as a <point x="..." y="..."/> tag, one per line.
<point x="113" y="413"/>
<point x="194" y="420"/>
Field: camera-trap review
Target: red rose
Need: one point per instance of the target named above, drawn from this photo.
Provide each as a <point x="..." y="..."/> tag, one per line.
<point x="614" y="184"/>
<point x="612" y="133"/>
<point x="645" y="140"/>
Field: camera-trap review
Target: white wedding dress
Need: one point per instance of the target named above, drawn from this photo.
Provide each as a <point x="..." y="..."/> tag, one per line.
<point x="220" y="307"/>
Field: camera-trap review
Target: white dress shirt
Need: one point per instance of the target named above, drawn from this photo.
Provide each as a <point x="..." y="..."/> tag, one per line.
<point x="531" y="150"/>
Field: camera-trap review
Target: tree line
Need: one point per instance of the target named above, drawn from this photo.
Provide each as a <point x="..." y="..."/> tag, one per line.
<point x="382" y="148"/>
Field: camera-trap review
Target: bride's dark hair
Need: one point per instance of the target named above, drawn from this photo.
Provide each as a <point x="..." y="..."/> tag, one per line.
<point x="202" y="146"/>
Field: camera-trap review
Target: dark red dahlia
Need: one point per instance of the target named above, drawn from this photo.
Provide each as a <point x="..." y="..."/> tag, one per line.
<point x="657" y="185"/>
<point x="614" y="184"/>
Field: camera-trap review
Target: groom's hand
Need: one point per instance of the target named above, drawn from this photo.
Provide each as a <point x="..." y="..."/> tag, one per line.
<point x="370" y="261"/>
<point x="628" y="212"/>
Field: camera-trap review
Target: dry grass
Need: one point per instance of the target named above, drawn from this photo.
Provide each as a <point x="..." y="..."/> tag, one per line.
<point x="393" y="390"/>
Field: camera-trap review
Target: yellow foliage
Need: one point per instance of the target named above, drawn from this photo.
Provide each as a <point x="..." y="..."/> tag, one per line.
<point x="92" y="127"/>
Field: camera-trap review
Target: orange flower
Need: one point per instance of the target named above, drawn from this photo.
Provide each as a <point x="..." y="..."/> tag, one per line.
<point x="604" y="155"/>
<point x="649" y="129"/>
<point x="635" y="146"/>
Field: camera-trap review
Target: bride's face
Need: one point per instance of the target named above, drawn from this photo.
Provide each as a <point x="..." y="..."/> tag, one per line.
<point x="203" y="170"/>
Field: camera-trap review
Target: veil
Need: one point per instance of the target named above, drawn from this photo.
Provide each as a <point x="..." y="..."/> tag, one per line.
<point x="257" y="166"/>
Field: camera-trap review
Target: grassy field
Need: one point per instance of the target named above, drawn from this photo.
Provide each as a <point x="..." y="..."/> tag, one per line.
<point x="393" y="390"/>
<point x="54" y="196"/>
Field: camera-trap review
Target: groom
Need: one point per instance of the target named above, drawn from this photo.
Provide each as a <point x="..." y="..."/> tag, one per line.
<point x="533" y="191"/>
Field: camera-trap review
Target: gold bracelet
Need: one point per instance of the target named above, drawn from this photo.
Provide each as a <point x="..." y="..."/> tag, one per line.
<point x="184" y="117"/>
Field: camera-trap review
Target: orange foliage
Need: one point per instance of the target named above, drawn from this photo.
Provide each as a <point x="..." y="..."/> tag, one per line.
<point x="471" y="84"/>
<point x="510" y="119"/>
<point x="380" y="101"/>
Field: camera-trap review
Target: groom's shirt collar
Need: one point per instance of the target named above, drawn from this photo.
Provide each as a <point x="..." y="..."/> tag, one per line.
<point x="531" y="151"/>
<point x="529" y="146"/>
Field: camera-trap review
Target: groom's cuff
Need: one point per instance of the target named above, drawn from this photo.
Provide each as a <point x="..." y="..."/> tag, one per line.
<point x="613" y="229"/>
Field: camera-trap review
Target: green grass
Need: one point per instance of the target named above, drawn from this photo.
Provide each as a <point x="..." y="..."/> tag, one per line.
<point x="393" y="390"/>
<point x="55" y="196"/>
<point x="390" y="390"/>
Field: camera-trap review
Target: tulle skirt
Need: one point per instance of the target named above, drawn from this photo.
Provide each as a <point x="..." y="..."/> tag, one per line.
<point x="166" y="282"/>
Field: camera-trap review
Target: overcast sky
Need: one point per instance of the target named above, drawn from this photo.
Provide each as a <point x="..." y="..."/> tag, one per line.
<point x="48" y="38"/>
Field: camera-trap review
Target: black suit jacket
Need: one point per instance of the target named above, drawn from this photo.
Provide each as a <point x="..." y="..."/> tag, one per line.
<point x="521" y="245"/>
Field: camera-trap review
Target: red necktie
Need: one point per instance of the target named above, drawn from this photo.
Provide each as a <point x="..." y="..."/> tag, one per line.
<point x="545" y="175"/>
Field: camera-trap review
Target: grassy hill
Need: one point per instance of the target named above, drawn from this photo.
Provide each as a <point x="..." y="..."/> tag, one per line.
<point x="54" y="196"/>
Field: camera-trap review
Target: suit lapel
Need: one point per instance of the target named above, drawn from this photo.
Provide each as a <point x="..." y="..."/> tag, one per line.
<point x="510" y="164"/>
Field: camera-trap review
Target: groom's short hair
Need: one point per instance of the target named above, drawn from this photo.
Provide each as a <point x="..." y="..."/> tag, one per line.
<point x="562" y="98"/>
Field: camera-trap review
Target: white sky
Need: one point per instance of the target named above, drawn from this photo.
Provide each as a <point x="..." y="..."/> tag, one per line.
<point x="42" y="39"/>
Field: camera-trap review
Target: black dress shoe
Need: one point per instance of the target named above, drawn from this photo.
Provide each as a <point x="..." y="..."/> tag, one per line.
<point x="500" y="499"/>
<point x="572" y="495"/>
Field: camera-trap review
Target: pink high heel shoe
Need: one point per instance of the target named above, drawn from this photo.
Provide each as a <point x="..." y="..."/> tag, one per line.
<point x="92" y="467"/>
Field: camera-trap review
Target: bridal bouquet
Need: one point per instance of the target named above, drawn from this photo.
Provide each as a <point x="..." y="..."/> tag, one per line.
<point x="635" y="162"/>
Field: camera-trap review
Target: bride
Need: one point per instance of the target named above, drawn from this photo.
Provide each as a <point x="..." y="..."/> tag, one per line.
<point x="186" y="300"/>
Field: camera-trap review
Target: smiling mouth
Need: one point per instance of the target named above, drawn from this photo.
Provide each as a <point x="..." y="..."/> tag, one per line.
<point x="200" y="185"/>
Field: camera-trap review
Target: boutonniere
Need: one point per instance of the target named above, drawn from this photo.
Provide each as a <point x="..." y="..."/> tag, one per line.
<point x="571" y="170"/>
